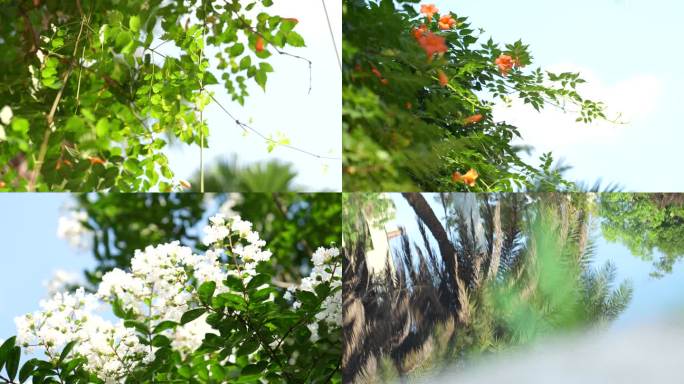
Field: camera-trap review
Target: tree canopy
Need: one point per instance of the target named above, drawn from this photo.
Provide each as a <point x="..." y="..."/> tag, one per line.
<point x="419" y="89"/>
<point x="92" y="91"/>
<point x="650" y="225"/>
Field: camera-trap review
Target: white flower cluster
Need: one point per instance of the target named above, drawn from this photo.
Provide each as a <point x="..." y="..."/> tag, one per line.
<point x="160" y="286"/>
<point x="226" y="209"/>
<point x="327" y="270"/>
<point x="248" y="245"/>
<point x="110" y="349"/>
<point x="157" y="285"/>
<point x="71" y="229"/>
<point x="61" y="280"/>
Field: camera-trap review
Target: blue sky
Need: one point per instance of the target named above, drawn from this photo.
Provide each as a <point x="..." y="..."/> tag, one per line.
<point x="311" y="121"/>
<point x="31" y="252"/>
<point x="652" y="299"/>
<point x="630" y="52"/>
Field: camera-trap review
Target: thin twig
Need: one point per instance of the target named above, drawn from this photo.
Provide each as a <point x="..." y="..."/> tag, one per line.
<point x="332" y="34"/>
<point x="51" y="116"/>
<point x="201" y="112"/>
<point x="246" y="127"/>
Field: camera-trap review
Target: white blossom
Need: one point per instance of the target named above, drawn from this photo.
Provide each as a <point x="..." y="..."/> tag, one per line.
<point x="326" y="270"/>
<point x="6" y="115"/>
<point x="71" y="229"/>
<point x="226" y="208"/>
<point x="60" y="281"/>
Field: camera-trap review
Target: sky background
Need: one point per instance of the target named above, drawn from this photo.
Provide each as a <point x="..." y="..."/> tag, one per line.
<point x="629" y="51"/>
<point x="652" y="298"/>
<point x="312" y="121"/>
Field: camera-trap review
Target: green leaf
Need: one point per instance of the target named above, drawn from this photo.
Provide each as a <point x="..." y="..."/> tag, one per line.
<point x="102" y="127"/>
<point x="248" y="347"/>
<point x="74" y="124"/>
<point x="5" y="349"/>
<point x="217" y="372"/>
<point x="266" y="67"/>
<point x="192" y="315"/>
<point x="295" y="39"/>
<point x="117" y="308"/>
<point x="236" y="50"/>
<point x="307" y="298"/>
<point x="206" y="291"/>
<point x="185" y="371"/>
<point x="131" y="165"/>
<point x="20" y="125"/>
<point x="160" y="341"/>
<point x="164" y="325"/>
<point x="245" y="63"/>
<point x="123" y="39"/>
<point x="26" y="370"/>
<point x="261" y="78"/>
<point x="65" y="351"/>
<point x="134" y="23"/>
<point x="233" y="283"/>
<point x="138" y="325"/>
<point x="258" y="281"/>
<point x="13" y="362"/>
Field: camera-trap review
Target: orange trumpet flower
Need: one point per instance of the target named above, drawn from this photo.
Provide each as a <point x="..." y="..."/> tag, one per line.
<point x="428" y="10"/>
<point x="446" y="22"/>
<point x="468" y="179"/>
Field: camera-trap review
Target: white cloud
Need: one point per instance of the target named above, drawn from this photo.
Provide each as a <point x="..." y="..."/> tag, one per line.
<point x="633" y="99"/>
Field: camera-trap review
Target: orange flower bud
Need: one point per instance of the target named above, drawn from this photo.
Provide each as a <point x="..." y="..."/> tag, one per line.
<point x="505" y="64"/>
<point x="443" y="79"/>
<point x="259" y="45"/>
<point x="468" y="179"/>
<point x="94" y="160"/>
<point x="473" y="119"/>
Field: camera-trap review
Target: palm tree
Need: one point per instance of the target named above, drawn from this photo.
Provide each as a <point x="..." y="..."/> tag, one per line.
<point x="504" y="272"/>
<point x="229" y="175"/>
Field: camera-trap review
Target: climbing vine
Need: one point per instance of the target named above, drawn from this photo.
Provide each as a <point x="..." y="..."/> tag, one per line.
<point x="420" y="85"/>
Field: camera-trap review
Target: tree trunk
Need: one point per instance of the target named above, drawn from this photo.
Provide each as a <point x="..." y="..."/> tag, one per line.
<point x="427" y="215"/>
<point x="495" y="257"/>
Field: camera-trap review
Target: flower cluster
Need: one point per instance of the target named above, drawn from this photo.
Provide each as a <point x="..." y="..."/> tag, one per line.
<point x="61" y="281"/>
<point x="109" y="349"/>
<point x="431" y="42"/>
<point x="506" y="63"/>
<point x="327" y="269"/>
<point x="71" y="229"/>
<point x="157" y="287"/>
<point x="161" y="286"/>
<point x="236" y="235"/>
